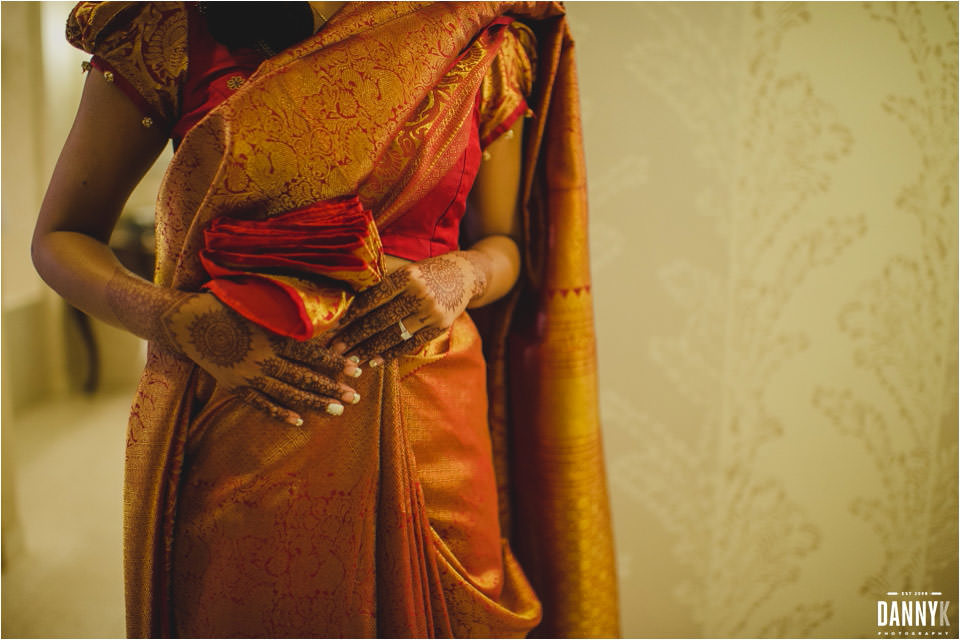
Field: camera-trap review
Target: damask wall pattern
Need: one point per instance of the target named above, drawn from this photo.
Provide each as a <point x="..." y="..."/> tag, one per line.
<point x="773" y="195"/>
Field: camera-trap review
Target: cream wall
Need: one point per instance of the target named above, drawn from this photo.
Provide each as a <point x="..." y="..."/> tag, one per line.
<point x="42" y="83"/>
<point x="773" y="197"/>
<point x="774" y="233"/>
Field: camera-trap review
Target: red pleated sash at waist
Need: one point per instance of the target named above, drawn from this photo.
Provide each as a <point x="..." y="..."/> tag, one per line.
<point x="294" y="274"/>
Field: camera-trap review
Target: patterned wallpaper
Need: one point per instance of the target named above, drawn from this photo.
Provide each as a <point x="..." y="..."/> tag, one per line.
<point x="774" y="234"/>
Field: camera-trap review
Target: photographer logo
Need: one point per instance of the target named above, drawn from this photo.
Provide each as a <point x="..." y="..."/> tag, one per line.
<point x="915" y="614"/>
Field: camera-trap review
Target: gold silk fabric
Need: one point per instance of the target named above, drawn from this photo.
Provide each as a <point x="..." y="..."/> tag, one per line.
<point x="144" y="44"/>
<point x="398" y="518"/>
<point x="507" y="82"/>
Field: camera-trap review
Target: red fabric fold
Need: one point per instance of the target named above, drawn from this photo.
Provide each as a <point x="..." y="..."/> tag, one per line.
<point x="266" y="270"/>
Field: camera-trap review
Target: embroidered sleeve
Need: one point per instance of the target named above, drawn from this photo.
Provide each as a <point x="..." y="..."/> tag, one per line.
<point x="139" y="46"/>
<point x="508" y="83"/>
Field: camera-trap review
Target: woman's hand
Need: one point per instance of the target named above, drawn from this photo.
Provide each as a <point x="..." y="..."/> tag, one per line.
<point x="413" y="305"/>
<point x="281" y="376"/>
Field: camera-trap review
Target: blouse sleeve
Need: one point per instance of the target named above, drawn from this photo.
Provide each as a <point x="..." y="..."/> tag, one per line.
<point x="508" y="83"/>
<point x="139" y="46"/>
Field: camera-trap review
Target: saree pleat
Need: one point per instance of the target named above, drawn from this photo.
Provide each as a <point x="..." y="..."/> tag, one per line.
<point x="407" y="571"/>
<point x="398" y="518"/>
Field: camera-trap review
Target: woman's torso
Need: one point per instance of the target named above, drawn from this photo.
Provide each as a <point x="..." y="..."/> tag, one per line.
<point x="430" y="228"/>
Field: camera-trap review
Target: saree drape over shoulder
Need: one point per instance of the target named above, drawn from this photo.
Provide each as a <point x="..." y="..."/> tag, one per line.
<point x="398" y="518"/>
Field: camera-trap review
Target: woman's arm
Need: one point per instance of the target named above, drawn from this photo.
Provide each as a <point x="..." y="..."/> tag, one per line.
<point x="494" y="232"/>
<point x="427" y="296"/>
<point x="106" y="154"/>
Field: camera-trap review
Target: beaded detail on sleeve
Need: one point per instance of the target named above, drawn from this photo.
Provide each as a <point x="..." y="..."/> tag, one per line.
<point x="508" y="83"/>
<point x="142" y="45"/>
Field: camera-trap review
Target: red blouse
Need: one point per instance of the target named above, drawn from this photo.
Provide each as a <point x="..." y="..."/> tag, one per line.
<point x="199" y="73"/>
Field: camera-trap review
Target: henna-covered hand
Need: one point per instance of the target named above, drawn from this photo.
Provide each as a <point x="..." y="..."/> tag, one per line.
<point x="283" y="377"/>
<point x="424" y="298"/>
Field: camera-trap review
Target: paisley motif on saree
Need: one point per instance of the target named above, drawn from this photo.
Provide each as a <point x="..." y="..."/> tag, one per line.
<point x="384" y="521"/>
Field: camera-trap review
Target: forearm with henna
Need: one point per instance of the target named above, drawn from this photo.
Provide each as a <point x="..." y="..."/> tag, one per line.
<point x="89" y="276"/>
<point x="141" y="308"/>
<point x="496" y="265"/>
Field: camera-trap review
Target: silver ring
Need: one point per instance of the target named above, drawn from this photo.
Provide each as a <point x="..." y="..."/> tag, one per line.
<point x="406" y="335"/>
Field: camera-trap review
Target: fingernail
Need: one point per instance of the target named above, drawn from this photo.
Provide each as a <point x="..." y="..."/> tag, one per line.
<point x="354" y="359"/>
<point x="296" y="421"/>
<point x="335" y="409"/>
<point x="356" y="398"/>
<point x="376" y="362"/>
<point x="356" y="372"/>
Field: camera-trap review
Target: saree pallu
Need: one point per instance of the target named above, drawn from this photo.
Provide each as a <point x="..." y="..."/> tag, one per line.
<point x="388" y="520"/>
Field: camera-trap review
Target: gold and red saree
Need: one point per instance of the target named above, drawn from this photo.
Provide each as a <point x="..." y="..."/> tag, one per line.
<point x="389" y="520"/>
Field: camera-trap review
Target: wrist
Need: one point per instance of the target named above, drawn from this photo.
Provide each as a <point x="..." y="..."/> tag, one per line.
<point x="478" y="274"/>
<point x="143" y="308"/>
<point x="496" y="259"/>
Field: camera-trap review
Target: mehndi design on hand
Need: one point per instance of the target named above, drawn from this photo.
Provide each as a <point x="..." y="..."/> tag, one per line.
<point x="426" y="296"/>
<point x="286" y="375"/>
<point x="222" y="337"/>
<point x="303" y="378"/>
<point x="380" y="320"/>
<point x="293" y="397"/>
<point x="383" y="342"/>
<point x="259" y="401"/>
<point x="414" y="344"/>
<point x="377" y="295"/>
<point x="443" y="276"/>
<point x="314" y="354"/>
